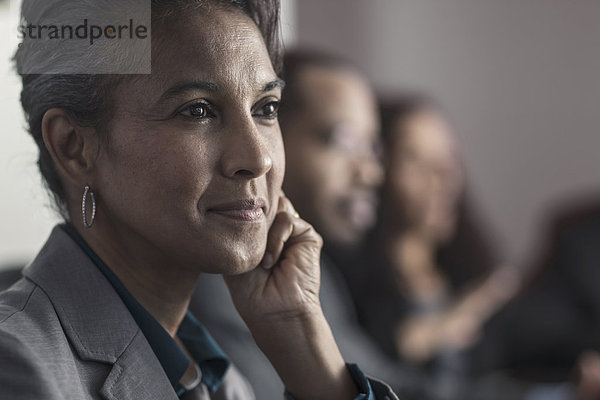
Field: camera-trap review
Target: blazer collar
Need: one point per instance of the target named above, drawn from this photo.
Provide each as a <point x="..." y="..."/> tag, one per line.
<point x="96" y="321"/>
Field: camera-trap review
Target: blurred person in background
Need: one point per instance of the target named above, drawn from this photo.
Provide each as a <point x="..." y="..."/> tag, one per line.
<point x="330" y="126"/>
<point x="433" y="281"/>
<point x="557" y="315"/>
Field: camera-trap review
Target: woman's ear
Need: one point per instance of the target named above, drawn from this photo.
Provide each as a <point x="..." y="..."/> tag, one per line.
<point x="73" y="148"/>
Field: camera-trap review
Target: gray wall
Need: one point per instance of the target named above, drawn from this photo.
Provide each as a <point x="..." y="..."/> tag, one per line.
<point x="25" y="215"/>
<point x="518" y="77"/>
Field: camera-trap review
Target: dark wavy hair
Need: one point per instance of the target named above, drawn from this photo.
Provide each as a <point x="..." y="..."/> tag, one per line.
<point x="469" y="253"/>
<point x="86" y="97"/>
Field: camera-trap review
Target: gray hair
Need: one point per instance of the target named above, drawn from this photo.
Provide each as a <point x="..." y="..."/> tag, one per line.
<point x="80" y="80"/>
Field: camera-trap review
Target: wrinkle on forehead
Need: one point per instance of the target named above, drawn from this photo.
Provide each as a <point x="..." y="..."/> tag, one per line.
<point x="244" y="42"/>
<point x="227" y="40"/>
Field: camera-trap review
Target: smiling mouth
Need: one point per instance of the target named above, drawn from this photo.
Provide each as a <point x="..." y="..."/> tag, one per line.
<point x="360" y="211"/>
<point x="247" y="210"/>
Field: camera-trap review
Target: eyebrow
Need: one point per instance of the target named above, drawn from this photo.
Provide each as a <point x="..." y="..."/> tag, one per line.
<point x="277" y="83"/>
<point x="187" y="86"/>
<point x="211" y="87"/>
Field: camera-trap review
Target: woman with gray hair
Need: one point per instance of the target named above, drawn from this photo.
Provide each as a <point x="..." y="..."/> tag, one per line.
<point x="164" y="155"/>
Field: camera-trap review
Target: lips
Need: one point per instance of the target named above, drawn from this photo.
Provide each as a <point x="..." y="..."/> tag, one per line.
<point x="245" y="210"/>
<point x="360" y="210"/>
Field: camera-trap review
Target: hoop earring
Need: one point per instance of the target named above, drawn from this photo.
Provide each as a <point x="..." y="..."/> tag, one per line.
<point x="83" y="207"/>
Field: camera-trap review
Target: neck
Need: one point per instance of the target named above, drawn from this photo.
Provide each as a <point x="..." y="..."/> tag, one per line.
<point x="410" y="247"/>
<point x="412" y="258"/>
<point x="151" y="277"/>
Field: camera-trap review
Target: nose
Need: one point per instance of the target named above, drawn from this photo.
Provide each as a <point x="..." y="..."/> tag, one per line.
<point x="369" y="171"/>
<point x="246" y="152"/>
<point x="445" y="180"/>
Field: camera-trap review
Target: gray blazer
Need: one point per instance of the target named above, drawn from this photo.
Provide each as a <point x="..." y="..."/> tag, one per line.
<point x="66" y="334"/>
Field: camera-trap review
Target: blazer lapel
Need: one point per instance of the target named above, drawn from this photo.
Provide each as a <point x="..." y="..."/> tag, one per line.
<point x="129" y="378"/>
<point x="97" y="322"/>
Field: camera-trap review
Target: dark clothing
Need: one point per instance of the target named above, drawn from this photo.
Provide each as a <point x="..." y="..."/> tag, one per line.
<point x="212" y="304"/>
<point x="210" y="358"/>
<point x="541" y="334"/>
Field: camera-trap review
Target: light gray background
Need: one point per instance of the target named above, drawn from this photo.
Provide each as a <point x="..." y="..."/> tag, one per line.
<point x="518" y="77"/>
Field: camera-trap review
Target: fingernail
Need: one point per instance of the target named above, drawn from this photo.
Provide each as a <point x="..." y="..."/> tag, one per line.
<point x="267" y="261"/>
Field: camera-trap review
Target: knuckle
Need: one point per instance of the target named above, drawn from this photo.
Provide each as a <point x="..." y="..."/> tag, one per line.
<point x="285" y="217"/>
<point x="317" y="237"/>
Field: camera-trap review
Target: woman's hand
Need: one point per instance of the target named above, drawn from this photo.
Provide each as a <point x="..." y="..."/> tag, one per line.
<point x="279" y="301"/>
<point x="286" y="283"/>
<point x="588" y="367"/>
<point x="419" y="337"/>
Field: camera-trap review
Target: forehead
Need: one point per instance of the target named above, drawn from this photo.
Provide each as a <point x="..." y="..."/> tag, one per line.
<point x="427" y="132"/>
<point x="212" y="44"/>
<point x="338" y="96"/>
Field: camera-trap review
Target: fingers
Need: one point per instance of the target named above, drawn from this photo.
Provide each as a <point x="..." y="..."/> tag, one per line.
<point x="287" y="227"/>
<point x="280" y="232"/>
<point x="285" y="205"/>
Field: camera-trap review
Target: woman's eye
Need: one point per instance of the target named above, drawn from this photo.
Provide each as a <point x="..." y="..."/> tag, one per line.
<point x="196" y="111"/>
<point x="269" y="110"/>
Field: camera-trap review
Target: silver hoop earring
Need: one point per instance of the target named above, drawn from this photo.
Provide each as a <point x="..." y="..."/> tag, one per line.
<point x="83" y="207"/>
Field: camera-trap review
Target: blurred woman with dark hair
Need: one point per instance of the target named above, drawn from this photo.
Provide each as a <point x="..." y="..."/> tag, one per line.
<point x="436" y="282"/>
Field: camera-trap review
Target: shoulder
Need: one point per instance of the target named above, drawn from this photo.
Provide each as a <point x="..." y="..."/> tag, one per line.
<point x="24" y="307"/>
<point x="21" y="338"/>
<point x="25" y="377"/>
<point x="28" y="316"/>
<point x="14" y="302"/>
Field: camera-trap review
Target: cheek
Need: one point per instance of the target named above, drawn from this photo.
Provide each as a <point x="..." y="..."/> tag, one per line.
<point x="407" y="184"/>
<point x="279" y="161"/>
<point x="331" y="173"/>
<point x="154" y="172"/>
<point x="414" y="185"/>
<point x="408" y="189"/>
<point x="319" y="186"/>
<point x="186" y="166"/>
<point x="275" y="176"/>
<point x="456" y="186"/>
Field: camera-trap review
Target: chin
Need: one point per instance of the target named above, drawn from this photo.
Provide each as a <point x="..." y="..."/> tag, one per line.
<point x="345" y="238"/>
<point x="241" y="268"/>
<point x="236" y="261"/>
